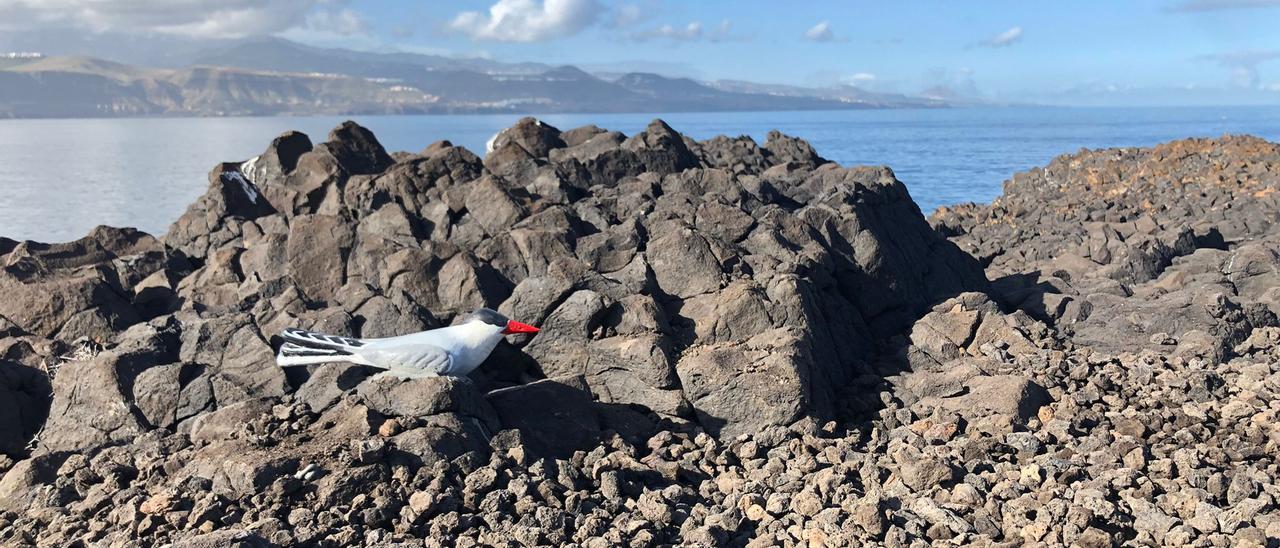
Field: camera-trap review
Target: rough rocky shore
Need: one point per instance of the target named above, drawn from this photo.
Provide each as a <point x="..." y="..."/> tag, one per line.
<point x="742" y="345"/>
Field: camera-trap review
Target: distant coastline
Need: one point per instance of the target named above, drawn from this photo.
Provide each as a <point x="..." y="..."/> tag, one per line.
<point x="462" y="111"/>
<point x="281" y="78"/>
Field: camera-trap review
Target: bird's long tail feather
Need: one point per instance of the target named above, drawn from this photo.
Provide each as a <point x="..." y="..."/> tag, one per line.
<point x="291" y="354"/>
<point x="308" y="348"/>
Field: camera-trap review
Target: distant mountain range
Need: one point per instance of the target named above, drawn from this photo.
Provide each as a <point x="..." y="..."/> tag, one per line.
<point x="275" y="76"/>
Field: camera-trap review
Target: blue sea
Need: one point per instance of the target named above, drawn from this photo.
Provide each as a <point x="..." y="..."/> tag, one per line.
<point x="60" y="178"/>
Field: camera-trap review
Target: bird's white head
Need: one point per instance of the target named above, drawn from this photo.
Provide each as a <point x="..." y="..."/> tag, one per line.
<point x="475" y="335"/>
<point x="491" y="322"/>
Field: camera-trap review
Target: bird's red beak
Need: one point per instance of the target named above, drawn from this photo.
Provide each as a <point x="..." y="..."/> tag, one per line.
<point x="514" y="327"/>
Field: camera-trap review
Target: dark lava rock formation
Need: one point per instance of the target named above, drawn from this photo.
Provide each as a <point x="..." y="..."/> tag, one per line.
<point x="1168" y="248"/>
<point x="662" y="270"/>
<point x="740" y="345"/>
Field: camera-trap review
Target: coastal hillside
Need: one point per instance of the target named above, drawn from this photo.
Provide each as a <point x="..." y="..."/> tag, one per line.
<point x="742" y="344"/>
<point x="278" y="77"/>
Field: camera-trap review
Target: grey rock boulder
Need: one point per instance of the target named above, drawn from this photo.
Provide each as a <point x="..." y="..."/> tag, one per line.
<point x="217" y="218"/>
<point x="785" y="149"/>
<point x="228" y="538"/>
<point x="223" y="423"/>
<point x="397" y="397"/>
<point x="279" y="160"/>
<point x="661" y="149"/>
<point x="317" y="252"/>
<point x="737" y="388"/>
<point x="555" y="416"/>
<point x="1012" y="396"/>
<point x="535" y="137"/>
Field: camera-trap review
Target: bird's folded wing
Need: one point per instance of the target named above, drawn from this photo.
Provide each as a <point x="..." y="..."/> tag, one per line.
<point x="412" y="359"/>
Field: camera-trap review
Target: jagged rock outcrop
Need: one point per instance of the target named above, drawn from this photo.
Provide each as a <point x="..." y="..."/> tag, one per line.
<point x="93" y="287"/>
<point x="1167" y="248"/>
<point x="628" y="266"/>
<point x="1107" y="205"/>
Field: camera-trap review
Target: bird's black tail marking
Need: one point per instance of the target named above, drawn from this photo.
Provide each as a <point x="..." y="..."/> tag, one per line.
<point x="311" y="339"/>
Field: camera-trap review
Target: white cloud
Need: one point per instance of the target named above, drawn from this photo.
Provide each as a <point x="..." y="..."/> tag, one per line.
<point x="528" y="20"/>
<point x="687" y="33"/>
<point x="341" y="22"/>
<point x="860" y="79"/>
<point x="1004" y="39"/>
<point x="200" y="18"/>
<point x="820" y="32"/>
<point x="692" y="32"/>
<point x="627" y="15"/>
<point x="1243" y="65"/>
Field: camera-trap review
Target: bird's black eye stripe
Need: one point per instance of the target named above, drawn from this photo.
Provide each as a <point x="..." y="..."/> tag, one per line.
<point x="486" y="315"/>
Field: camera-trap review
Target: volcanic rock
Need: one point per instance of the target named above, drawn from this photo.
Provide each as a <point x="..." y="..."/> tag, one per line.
<point x="1136" y="243"/>
<point x="83" y="288"/>
<point x="741" y="345"/>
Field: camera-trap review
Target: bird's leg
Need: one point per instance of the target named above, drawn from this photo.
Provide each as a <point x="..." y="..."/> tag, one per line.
<point x="483" y="431"/>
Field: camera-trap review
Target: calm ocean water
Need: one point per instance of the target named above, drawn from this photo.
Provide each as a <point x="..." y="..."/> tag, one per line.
<point x="60" y="178"/>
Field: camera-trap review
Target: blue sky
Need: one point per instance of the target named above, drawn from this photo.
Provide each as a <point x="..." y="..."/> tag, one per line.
<point x="1080" y="52"/>
<point x="1165" y="50"/>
